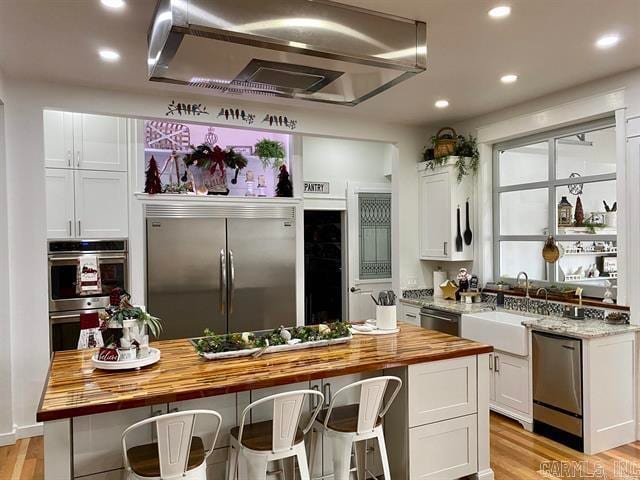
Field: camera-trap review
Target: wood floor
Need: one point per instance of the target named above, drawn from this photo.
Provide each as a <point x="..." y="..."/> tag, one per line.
<point x="515" y="455"/>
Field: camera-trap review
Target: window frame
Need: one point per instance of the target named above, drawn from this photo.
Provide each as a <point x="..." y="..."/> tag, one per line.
<point x="550" y="136"/>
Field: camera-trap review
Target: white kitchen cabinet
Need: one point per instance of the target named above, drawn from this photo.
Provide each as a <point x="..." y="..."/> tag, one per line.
<point x="95" y="452"/>
<point x="101" y="204"/>
<point x="440" y="195"/>
<point x="58" y="139"/>
<point x="444" y="450"/>
<point x="100" y="142"/>
<point x="59" y="187"/>
<point x="442" y="390"/>
<point x="84" y="141"/>
<point x="410" y="314"/>
<point x="511" y="382"/>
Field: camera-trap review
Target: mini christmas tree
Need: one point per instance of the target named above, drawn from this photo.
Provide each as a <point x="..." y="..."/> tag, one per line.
<point x="152" y="184"/>
<point x="579" y="214"/>
<point x="284" y="188"/>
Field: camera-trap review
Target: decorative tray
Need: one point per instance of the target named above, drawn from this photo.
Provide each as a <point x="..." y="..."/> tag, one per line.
<point x="274" y="349"/>
<point x="154" y="356"/>
<point x="235" y="345"/>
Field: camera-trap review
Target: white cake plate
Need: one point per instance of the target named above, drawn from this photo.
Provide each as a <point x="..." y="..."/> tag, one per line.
<point x="153" y="357"/>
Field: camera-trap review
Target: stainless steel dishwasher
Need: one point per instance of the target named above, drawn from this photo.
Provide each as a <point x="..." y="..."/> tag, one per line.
<point x="557" y="388"/>
<point x="440" y="320"/>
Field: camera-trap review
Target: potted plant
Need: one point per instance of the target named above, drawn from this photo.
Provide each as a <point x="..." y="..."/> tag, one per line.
<point x="126" y="315"/>
<point x="270" y="152"/>
<point x="465" y="151"/>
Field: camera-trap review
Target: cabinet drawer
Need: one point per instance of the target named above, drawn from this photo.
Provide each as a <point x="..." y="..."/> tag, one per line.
<point x="442" y="390"/>
<point x="411" y="314"/>
<point x="444" y="450"/>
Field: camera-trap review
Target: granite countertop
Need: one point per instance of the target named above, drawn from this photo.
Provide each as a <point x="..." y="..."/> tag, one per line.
<point x="587" y="328"/>
<point x="448" y="305"/>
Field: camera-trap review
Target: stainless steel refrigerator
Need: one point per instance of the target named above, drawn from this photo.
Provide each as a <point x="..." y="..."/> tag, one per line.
<point x="226" y="268"/>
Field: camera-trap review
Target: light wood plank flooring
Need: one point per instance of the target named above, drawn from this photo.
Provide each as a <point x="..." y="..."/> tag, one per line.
<point x="515" y="455"/>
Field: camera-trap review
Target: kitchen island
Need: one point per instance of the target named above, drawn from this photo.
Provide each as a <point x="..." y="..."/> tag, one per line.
<point x="442" y="415"/>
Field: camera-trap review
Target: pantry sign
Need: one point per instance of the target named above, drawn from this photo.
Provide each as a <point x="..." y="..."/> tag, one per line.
<point x="316" y="187"/>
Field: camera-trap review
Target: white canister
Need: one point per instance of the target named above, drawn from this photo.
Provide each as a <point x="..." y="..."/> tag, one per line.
<point x="386" y="317"/>
<point x="611" y="219"/>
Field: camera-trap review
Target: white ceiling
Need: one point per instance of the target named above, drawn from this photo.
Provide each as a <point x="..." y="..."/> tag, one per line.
<point x="548" y="43"/>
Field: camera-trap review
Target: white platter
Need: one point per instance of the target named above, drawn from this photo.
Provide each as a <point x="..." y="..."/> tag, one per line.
<point x="275" y="349"/>
<point x="154" y="356"/>
<point x="374" y="332"/>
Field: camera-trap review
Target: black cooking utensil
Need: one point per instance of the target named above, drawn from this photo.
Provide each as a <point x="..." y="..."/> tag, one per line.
<point x="459" y="234"/>
<point x="468" y="236"/>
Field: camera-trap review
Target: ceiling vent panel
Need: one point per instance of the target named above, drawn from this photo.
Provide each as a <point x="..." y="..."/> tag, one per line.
<point x="311" y="50"/>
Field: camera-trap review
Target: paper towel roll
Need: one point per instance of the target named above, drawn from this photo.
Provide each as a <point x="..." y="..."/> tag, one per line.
<point x="439" y="277"/>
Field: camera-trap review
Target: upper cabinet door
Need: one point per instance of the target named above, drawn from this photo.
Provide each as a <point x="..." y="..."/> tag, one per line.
<point x="101" y="204"/>
<point x="100" y="142"/>
<point x="60" y="204"/>
<point x="435" y="199"/>
<point x="58" y="139"/>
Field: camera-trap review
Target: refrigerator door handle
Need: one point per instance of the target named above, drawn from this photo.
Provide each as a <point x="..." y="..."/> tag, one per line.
<point x="223" y="280"/>
<point x="232" y="280"/>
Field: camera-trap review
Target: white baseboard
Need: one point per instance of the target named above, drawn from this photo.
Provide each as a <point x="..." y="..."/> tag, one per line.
<point x="26" y="431"/>
<point x="8" y="438"/>
<point x="485" y="475"/>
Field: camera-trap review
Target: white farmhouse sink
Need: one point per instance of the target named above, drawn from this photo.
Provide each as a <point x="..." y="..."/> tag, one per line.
<point x="502" y="330"/>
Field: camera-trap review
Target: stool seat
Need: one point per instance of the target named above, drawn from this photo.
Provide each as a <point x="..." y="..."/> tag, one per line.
<point x="344" y="418"/>
<point x="144" y="460"/>
<point x="259" y="436"/>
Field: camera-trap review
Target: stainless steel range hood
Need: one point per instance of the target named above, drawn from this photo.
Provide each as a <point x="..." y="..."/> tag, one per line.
<point x="306" y="49"/>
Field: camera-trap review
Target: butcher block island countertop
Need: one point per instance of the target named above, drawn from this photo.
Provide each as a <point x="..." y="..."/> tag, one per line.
<point x="75" y="388"/>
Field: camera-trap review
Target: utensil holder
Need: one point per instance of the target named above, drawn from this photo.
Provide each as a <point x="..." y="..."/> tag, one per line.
<point x="386" y="317"/>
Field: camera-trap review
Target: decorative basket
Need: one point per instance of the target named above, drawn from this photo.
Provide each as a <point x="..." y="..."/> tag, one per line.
<point x="446" y="140"/>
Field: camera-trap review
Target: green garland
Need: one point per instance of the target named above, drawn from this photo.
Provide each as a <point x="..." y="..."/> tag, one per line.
<point x="212" y="343"/>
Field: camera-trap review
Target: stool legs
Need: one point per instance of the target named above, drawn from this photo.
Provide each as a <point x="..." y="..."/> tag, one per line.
<point x="361" y="462"/>
<point x="303" y="466"/>
<point x="383" y="454"/>
<point x="251" y="466"/>
<point x="341" y="446"/>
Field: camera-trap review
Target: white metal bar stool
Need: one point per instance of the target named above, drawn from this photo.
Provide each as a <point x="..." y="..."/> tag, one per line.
<point x="347" y="425"/>
<point x="177" y="453"/>
<point x="253" y="446"/>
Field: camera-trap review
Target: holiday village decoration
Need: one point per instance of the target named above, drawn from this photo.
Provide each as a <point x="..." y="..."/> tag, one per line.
<point x="152" y="184"/>
<point x="579" y="213"/>
<point x="284" y="188"/>
<point x="270" y="152"/>
<point x="565" y="211"/>
<point x="206" y="164"/>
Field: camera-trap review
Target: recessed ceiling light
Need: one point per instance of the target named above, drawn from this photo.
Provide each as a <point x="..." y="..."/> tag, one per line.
<point x="608" y="41"/>
<point x="500" y="12"/>
<point x="442" y="104"/>
<point x="113" y="3"/>
<point x="509" y="78"/>
<point x="109" y="55"/>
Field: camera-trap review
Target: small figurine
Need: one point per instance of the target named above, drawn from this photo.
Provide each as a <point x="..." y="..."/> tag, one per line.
<point x="608" y="294"/>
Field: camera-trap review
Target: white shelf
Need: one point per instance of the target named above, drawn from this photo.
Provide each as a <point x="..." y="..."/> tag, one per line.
<point x="591" y="254"/>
